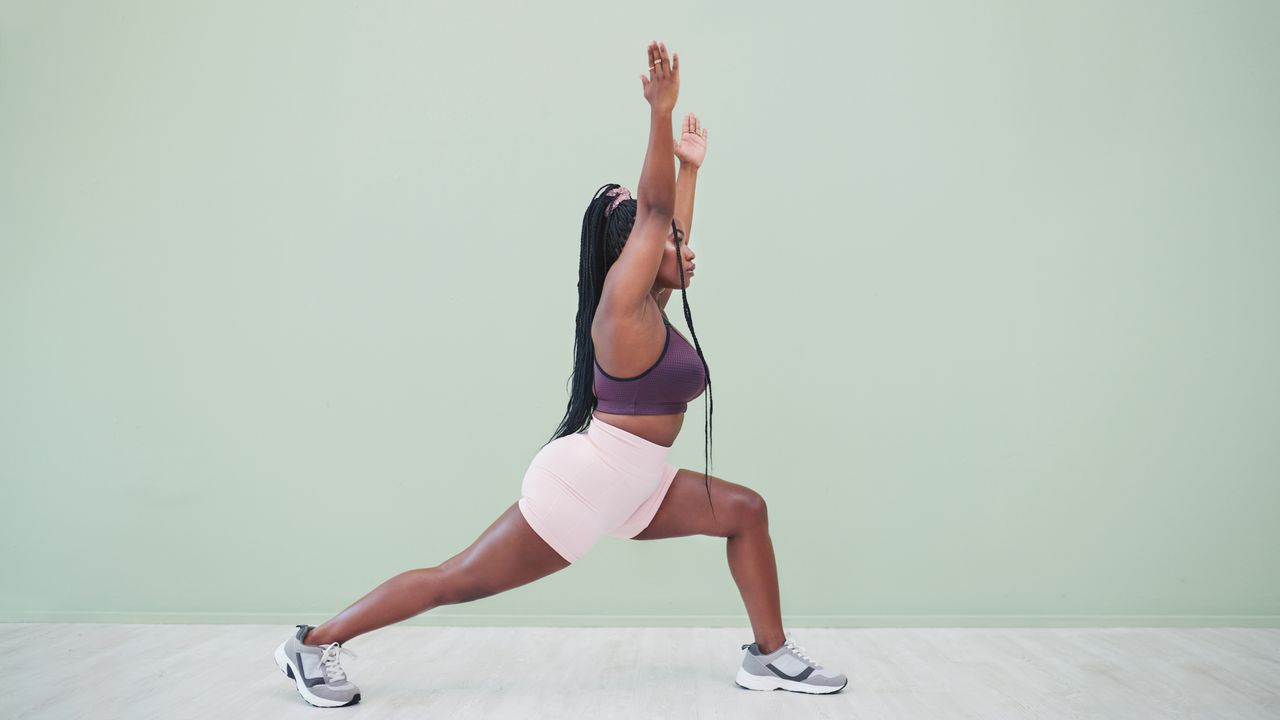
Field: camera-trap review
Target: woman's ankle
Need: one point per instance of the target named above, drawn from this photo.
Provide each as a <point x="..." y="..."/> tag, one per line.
<point x="768" y="647"/>
<point x="314" y="638"/>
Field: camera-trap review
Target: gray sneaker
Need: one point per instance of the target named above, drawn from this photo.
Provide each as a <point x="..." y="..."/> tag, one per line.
<point x="316" y="671"/>
<point x="786" y="668"/>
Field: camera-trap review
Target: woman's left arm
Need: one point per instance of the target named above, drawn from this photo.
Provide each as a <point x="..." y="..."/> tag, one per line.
<point x="686" y="183"/>
<point x="691" y="149"/>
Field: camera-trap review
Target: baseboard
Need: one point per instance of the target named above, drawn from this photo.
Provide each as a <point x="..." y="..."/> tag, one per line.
<point x="439" y="618"/>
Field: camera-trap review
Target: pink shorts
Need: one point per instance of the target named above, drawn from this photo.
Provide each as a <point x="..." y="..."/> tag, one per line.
<point x="601" y="481"/>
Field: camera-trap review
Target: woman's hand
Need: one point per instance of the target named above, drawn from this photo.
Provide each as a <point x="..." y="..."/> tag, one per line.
<point x="691" y="147"/>
<point x="663" y="83"/>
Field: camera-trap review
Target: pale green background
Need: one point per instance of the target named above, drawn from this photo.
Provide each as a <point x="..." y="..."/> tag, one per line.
<point x="989" y="292"/>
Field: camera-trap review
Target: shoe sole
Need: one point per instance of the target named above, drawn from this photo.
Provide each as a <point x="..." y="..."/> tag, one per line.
<point x="747" y="681"/>
<point x="286" y="667"/>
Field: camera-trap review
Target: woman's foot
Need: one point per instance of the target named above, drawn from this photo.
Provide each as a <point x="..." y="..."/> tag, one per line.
<point x="786" y="668"/>
<point x="317" y="671"/>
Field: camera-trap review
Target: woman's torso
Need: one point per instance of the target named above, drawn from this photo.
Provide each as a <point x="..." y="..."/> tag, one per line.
<point x="627" y="347"/>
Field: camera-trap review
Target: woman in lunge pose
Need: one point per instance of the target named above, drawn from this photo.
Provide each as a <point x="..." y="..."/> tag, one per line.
<point x="605" y="470"/>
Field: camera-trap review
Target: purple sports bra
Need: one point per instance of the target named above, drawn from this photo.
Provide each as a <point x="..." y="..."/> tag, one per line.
<point x="666" y="387"/>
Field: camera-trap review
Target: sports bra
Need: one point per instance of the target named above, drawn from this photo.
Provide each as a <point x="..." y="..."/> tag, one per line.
<point x="666" y="387"/>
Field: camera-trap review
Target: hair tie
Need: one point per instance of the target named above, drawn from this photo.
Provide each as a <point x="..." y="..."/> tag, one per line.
<point x="619" y="194"/>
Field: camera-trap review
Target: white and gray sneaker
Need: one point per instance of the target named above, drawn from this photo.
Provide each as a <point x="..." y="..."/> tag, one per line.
<point x="786" y="668"/>
<point x="316" y="671"/>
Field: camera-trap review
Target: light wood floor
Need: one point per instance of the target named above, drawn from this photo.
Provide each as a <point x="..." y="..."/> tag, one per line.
<point x="169" y="672"/>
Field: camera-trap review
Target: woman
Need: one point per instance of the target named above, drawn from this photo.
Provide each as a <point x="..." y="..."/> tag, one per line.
<point x="633" y="378"/>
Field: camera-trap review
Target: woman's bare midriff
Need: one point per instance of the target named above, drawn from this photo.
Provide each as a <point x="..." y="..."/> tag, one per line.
<point x="658" y="429"/>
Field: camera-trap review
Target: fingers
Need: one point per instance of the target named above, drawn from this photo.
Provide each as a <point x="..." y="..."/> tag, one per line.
<point x="662" y="64"/>
<point x="664" y="67"/>
<point x="693" y="125"/>
<point x="655" y="61"/>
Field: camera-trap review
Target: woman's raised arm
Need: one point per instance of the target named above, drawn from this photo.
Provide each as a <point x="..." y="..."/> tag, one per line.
<point x="656" y="191"/>
<point x="691" y="149"/>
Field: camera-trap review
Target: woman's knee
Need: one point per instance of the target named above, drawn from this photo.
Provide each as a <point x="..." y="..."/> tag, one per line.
<point x="750" y="509"/>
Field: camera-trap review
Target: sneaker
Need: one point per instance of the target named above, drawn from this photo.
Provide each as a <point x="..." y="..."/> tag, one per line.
<point x="316" y="671"/>
<point x="786" y="668"/>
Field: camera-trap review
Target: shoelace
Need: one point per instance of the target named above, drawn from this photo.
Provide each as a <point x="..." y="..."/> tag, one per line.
<point x="329" y="661"/>
<point x="799" y="651"/>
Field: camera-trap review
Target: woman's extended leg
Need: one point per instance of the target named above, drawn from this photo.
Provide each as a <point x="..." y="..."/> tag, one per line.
<point x="742" y="518"/>
<point x="506" y="555"/>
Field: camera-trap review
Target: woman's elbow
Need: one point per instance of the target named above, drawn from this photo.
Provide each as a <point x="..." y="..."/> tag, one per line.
<point x="655" y="211"/>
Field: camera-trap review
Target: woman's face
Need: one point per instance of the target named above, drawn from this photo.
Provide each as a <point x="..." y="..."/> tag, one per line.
<point x="669" y="270"/>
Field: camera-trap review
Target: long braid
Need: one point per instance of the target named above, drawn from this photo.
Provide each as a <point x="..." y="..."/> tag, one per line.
<point x="599" y="236"/>
<point x="603" y="236"/>
<point x="710" y="403"/>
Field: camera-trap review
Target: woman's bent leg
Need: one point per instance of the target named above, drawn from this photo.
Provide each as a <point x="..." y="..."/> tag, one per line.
<point x="741" y="515"/>
<point x="507" y="554"/>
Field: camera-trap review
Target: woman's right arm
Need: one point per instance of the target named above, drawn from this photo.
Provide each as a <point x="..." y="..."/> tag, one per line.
<point x="656" y="191"/>
<point x="625" y="297"/>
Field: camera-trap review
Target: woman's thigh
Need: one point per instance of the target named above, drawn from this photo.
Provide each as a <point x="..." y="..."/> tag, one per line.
<point x="685" y="510"/>
<point x="506" y="555"/>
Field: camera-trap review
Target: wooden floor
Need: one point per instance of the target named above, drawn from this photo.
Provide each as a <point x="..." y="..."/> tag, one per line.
<point x="169" y="672"/>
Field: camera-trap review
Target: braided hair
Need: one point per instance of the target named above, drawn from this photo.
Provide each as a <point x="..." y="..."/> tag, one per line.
<point x="603" y="236"/>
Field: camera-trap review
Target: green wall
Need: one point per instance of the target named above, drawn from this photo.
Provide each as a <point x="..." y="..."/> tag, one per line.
<point x="287" y="295"/>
